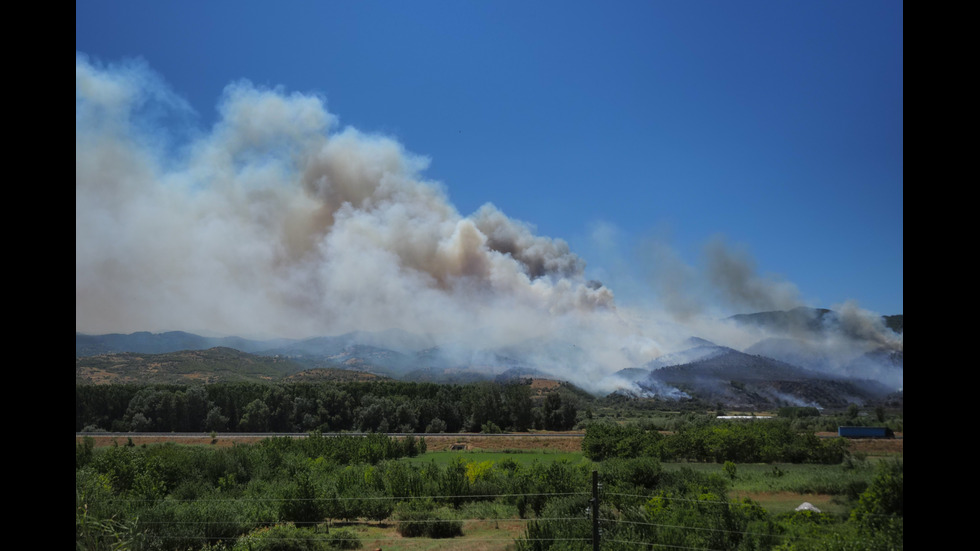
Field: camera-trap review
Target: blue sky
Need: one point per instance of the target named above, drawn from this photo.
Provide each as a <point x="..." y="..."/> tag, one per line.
<point x="777" y="126"/>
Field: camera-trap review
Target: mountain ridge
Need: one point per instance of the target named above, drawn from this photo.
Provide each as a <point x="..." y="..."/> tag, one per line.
<point x="793" y="365"/>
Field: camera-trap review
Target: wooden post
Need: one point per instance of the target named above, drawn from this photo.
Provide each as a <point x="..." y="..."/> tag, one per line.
<point x="595" y="510"/>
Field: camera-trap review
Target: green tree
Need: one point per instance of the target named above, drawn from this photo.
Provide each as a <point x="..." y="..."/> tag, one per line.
<point x="517" y="400"/>
<point x="255" y="417"/>
<point x="730" y="470"/>
<point x="215" y="421"/>
<point x="883" y="501"/>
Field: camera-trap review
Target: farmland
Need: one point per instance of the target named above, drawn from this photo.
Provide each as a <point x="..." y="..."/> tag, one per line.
<point x="510" y="468"/>
<point x="218" y="492"/>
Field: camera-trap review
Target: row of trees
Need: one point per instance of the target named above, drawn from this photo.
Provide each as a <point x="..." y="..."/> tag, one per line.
<point x="762" y="441"/>
<point x="388" y="406"/>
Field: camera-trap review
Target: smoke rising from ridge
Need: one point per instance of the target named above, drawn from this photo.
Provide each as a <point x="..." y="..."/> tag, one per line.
<point x="733" y="273"/>
<point x="278" y="222"/>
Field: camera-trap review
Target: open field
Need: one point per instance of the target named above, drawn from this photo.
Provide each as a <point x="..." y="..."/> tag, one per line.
<point x="784" y="502"/>
<point x="782" y="487"/>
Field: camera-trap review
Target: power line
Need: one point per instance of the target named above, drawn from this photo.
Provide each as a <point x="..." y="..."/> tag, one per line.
<point x="365" y="522"/>
<point x="340" y="498"/>
<point x="659" y="525"/>
<point x="665" y="545"/>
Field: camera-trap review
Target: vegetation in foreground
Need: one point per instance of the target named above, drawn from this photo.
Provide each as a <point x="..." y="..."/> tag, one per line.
<point x="317" y="493"/>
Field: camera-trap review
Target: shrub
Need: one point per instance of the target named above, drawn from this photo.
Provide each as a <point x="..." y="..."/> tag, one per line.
<point x="420" y="518"/>
<point x="490" y="428"/>
<point x="731" y="470"/>
<point x="883" y="501"/>
<point x="343" y="538"/>
<point x="643" y="472"/>
<point x="282" y="537"/>
<point x="436" y="425"/>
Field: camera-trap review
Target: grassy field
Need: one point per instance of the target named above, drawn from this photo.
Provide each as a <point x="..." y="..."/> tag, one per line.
<point x="782" y="487"/>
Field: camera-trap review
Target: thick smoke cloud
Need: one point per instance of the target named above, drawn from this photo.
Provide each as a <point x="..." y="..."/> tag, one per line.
<point x="278" y="222"/>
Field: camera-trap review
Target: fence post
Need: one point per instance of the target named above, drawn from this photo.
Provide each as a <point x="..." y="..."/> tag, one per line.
<point x="595" y="510"/>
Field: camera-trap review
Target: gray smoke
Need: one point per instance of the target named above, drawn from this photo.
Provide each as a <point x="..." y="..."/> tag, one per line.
<point x="277" y="222"/>
<point x="733" y="274"/>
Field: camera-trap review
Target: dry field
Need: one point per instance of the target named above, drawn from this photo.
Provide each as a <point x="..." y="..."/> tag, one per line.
<point x="873" y="446"/>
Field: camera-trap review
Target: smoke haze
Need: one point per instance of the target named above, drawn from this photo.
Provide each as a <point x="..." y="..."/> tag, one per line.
<point x="276" y="222"/>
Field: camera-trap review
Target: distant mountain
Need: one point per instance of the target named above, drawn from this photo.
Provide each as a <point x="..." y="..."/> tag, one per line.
<point x="731" y="364"/>
<point x="333" y="375"/>
<point x="314" y="347"/>
<point x="789" y="321"/>
<point x="794" y="351"/>
<point x="800" y="359"/>
<point x="631" y="374"/>
<point x="189" y="366"/>
<point x="881" y="364"/>
<point x="896" y="323"/>
<point x="739" y="380"/>
<point x="521" y="374"/>
<point x="803" y="319"/>
<point x="698" y="353"/>
<point x="159" y="343"/>
<point x="448" y="375"/>
<point x="373" y="360"/>
<point x="332" y="352"/>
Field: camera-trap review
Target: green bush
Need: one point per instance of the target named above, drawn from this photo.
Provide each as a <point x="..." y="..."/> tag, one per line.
<point x="606" y="440"/>
<point x="883" y="501"/>
<point x="282" y="537"/>
<point x="343" y="538"/>
<point x="420" y="518"/>
<point x="564" y="525"/>
<point x="490" y="428"/>
<point x="739" y="442"/>
<point x="643" y="472"/>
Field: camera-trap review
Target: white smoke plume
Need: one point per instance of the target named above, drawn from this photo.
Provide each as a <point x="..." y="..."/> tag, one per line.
<point x="276" y="222"/>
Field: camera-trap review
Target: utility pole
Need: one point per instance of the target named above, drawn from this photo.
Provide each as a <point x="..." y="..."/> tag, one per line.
<point x="595" y="510"/>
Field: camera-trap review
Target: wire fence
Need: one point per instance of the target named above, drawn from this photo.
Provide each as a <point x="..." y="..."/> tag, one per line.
<point x="611" y="527"/>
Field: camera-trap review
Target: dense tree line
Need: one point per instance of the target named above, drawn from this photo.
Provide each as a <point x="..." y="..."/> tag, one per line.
<point x="387" y="406"/>
<point x="761" y="441"/>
